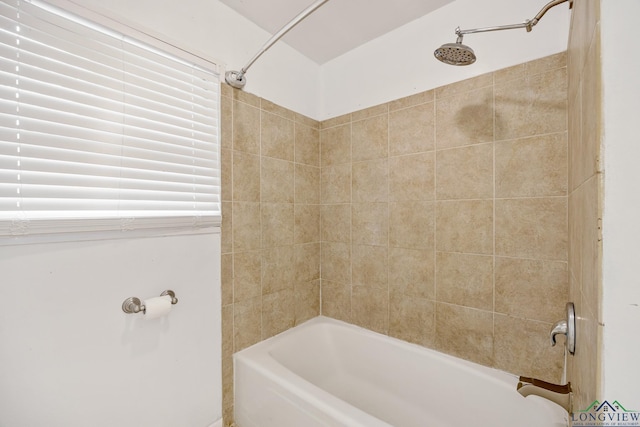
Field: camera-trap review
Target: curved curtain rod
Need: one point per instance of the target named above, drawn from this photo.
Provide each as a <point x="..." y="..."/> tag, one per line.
<point x="237" y="78"/>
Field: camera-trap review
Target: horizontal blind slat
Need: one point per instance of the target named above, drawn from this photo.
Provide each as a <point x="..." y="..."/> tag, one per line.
<point x="94" y="124"/>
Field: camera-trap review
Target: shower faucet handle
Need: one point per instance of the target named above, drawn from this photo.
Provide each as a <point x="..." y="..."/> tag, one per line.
<point x="566" y="327"/>
<point x="559" y="328"/>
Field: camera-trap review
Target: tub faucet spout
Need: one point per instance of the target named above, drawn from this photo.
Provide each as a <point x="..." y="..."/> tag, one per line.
<point x="560" y="394"/>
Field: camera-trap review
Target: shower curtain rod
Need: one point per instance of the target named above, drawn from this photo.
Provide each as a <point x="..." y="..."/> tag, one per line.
<point x="237" y="78"/>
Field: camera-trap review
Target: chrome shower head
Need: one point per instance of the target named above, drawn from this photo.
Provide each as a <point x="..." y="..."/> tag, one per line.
<point x="455" y="53"/>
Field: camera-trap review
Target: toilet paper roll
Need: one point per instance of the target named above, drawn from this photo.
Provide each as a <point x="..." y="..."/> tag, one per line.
<point x="157" y="307"/>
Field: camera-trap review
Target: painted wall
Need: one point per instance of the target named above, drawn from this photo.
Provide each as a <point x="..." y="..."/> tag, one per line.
<point x="71" y="357"/>
<point x="621" y="230"/>
<point x="217" y="32"/>
<point x="398" y="64"/>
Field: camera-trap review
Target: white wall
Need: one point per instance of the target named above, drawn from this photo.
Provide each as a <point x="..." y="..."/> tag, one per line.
<point x="398" y="64"/>
<point x="70" y="357"/>
<point x="401" y="63"/>
<point x="210" y="28"/>
<point x="621" y="224"/>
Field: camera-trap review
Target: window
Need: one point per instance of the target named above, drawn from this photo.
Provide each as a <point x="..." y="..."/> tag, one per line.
<point x="100" y="131"/>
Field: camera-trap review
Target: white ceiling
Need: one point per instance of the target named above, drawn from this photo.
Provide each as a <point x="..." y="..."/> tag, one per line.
<point x="338" y="26"/>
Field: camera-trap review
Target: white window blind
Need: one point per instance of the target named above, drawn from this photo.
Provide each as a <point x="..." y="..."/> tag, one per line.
<point x="99" y="131"/>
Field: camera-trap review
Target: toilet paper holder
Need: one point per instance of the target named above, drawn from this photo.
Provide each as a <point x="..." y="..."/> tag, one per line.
<point x="133" y="305"/>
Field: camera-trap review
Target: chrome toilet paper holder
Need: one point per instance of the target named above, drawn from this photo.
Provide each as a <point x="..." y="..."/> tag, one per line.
<point x="133" y="305"/>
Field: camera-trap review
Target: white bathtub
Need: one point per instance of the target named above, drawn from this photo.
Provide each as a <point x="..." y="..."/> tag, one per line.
<point x="330" y="373"/>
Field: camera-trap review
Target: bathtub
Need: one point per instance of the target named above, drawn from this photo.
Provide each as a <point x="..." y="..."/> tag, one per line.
<point x="329" y="373"/>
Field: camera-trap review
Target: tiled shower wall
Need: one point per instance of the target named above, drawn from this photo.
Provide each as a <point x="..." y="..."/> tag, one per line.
<point x="444" y="217"/>
<point x="270" y="224"/>
<point x="439" y="218"/>
<point x="585" y="196"/>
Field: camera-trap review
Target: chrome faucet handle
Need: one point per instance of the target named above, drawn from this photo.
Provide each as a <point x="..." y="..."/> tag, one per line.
<point x="566" y="327"/>
<point x="559" y="328"/>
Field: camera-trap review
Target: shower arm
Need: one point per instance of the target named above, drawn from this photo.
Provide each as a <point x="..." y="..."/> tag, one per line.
<point x="528" y="24"/>
<point x="236" y="78"/>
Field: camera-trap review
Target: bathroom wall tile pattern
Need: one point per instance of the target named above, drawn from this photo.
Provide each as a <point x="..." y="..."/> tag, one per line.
<point x="270" y="223"/>
<point x="585" y="199"/>
<point x="444" y="217"/>
<point x="402" y="217"/>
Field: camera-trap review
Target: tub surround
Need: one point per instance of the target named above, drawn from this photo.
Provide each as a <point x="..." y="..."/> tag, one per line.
<point x="444" y="217"/>
<point x="439" y="219"/>
<point x="585" y="197"/>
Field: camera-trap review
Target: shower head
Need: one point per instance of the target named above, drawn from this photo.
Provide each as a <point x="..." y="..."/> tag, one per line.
<point x="459" y="54"/>
<point x="455" y="53"/>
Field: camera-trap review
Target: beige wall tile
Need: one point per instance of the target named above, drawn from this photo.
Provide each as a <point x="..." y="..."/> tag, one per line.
<point x="366" y="113"/>
<point x="370" y="181"/>
<point x="246" y="97"/>
<point x="464" y="279"/>
<point x="335" y="121"/>
<point x="276" y="109"/>
<point x="226" y="170"/>
<point x="370" y="308"/>
<point x="226" y="235"/>
<point x="412" y="177"/>
<point x="336" y="262"/>
<point x="307" y="262"/>
<point x="464" y="119"/>
<point x="276" y="136"/>
<point x="532" y="228"/>
<point x="278" y="312"/>
<point x="336" y="300"/>
<point x="369" y="138"/>
<point x="522" y="346"/>
<point x="412" y="130"/>
<point x="412" y="225"/>
<point x="277" y="180"/>
<point x="412" y="100"/>
<point x="335" y="184"/>
<point x="307" y="145"/>
<point x="412" y="319"/>
<point x="246" y="226"/>
<point x="306" y="227"/>
<point x="247" y="323"/>
<point x="246" y="177"/>
<point x="547" y="63"/>
<point x="335" y="145"/>
<point x="278" y="269"/>
<point x="226" y="279"/>
<point x="307" y="184"/>
<point x="465" y="226"/>
<point x="370" y="266"/>
<point x="336" y="223"/>
<point x="532" y="167"/>
<point x="464" y="86"/>
<point x="277" y="224"/>
<point x="246" y="128"/>
<point x="247" y="281"/>
<point x="306" y="121"/>
<point x="412" y="272"/>
<point x="532" y="105"/>
<point x="465" y="332"/>
<point x="591" y="245"/>
<point x="532" y="289"/>
<point x="307" y="300"/>
<point x="370" y="223"/>
<point x="465" y="173"/>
